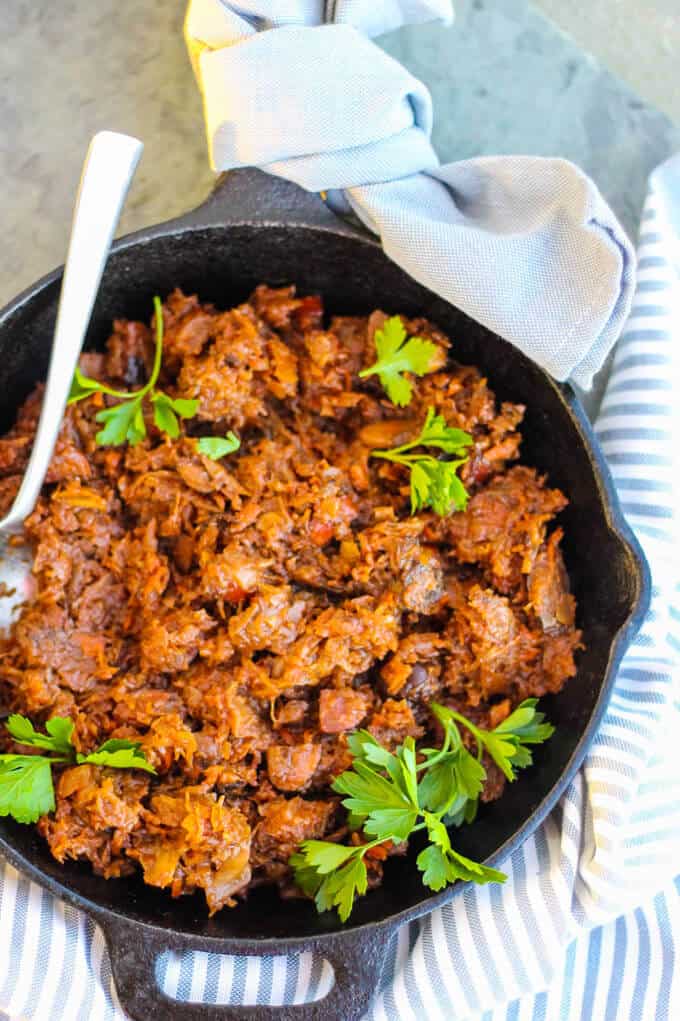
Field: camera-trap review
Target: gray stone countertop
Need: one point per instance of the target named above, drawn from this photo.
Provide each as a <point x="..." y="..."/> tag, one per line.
<point x="504" y="79"/>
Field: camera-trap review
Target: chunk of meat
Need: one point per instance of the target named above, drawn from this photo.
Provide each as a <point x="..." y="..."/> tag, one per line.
<point x="416" y="663"/>
<point x="493" y="648"/>
<point x="234" y="573"/>
<point x="47" y="639"/>
<point x="14" y="453"/>
<point x="164" y="497"/>
<point x="140" y="704"/>
<point x="341" y="709"/>
<point x="192" y="840"/>
<point x="291" y="712"/>
<point x="393" y="723"/>
<point x="9" y="487"/>
<point x="395" y="548"/>
<point x="504" y="526"/>
<point x="97" y="811"/>
<point x="229" y="376"/>
<point x="422" y="580"/>
<point x="557" y="664"/>
<point x="494" y="784"/>
<point x="347" y="638"/>
<point x="129" y="357"/>
<point x="285" y="822"/>
<point x="327" y="505"/>
<point x="170" y="642"/>
<point x="224" y="698"/>
<point x="291" y="767"/>
<point x="188" y="325"/>
<point x="276" y="305"/>
<point x="335" y="758"/>
<point x="69" y="461"/>
<point x="100" y="605"/>
<point x="272" y="620"/>
<point x="548" y="586"/>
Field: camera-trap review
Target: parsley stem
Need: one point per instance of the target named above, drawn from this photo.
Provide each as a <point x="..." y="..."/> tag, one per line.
<point x="394" y="455"/>
<point x="426" y="763"/>
<point x="122" y="394"/>
<point x="157" y="357"/>
<point x="395" y="452"/>
<point x="473" y="730"/>
<point x="158" y="354"/>
<point x="127" y="395"/>
<point x="362" y="848"/>
<point x="155" y="372"/>
<point x="48" y="758"/>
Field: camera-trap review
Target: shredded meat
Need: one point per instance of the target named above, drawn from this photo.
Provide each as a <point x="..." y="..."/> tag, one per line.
<point x="240" y="618"/>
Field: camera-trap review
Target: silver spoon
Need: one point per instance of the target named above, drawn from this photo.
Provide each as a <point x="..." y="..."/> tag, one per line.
<point x="107" y="173"/>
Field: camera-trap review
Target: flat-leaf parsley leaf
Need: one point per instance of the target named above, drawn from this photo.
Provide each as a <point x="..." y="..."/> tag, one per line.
<point x="118" y="754"/>
<point x="57" y="739"/>
<point x="26" y="790"/>
<point x="396" y="355"/>
<point x="216" y="447"/>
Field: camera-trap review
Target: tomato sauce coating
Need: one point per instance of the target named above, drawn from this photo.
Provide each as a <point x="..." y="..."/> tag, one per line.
<point x="241" y="617"/>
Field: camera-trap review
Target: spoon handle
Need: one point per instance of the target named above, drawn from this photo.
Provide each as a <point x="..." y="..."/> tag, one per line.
<point x="107" y="173"/>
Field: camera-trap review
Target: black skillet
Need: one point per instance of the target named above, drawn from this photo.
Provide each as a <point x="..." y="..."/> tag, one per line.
<point x="252" y="229"/>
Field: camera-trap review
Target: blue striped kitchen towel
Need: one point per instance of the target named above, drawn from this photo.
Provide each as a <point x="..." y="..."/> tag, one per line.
<point x="588" y="924"/>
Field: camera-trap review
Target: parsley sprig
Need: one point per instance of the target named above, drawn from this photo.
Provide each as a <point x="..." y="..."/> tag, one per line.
<point x="26" y="787"/>
<point x="397" y="355"/>
<point x="124" y="422"/>
<point x="507" y="743"/>
<point x="434" y="483"/>
<point x="392" y="795"/>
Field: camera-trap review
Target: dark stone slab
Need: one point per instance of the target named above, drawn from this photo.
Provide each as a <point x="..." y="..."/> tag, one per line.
<point x="505" y="79"/>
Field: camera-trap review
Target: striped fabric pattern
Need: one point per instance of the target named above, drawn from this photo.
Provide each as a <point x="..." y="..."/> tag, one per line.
<point x="585" y="927"/>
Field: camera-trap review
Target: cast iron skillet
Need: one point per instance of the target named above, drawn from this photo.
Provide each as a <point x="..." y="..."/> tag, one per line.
<point x="256" y="228"/>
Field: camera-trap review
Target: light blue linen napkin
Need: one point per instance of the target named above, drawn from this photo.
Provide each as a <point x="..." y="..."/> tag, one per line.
<point x="527" y="246"/>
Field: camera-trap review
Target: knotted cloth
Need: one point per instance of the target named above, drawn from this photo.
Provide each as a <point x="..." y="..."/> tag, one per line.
<point x="527" y="246"/>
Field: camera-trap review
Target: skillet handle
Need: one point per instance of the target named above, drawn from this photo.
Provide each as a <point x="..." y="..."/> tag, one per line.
<point x="249" y="195"/>
<point x="357" y="959"/>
